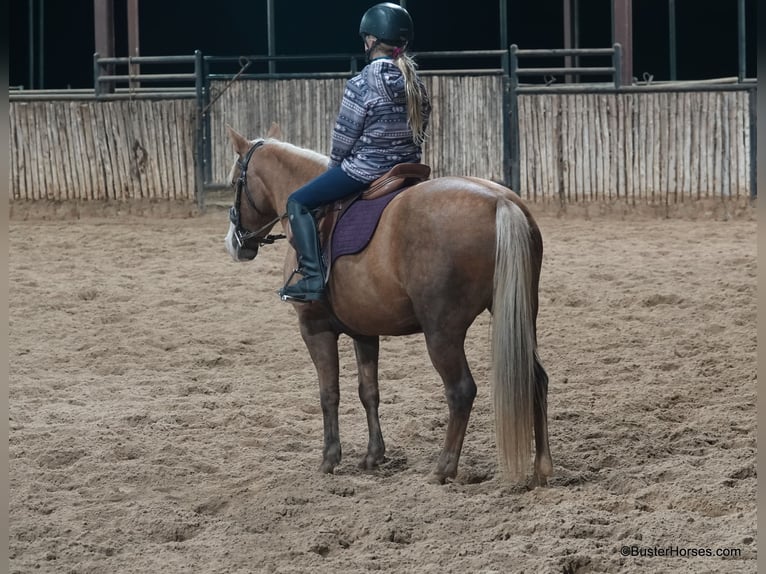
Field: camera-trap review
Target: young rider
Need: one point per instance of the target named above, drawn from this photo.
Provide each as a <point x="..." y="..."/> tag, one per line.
<point x="382" y="122"/>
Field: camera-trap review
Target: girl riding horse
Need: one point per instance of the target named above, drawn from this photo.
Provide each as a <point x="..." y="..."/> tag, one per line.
<point x="382" y="122"/>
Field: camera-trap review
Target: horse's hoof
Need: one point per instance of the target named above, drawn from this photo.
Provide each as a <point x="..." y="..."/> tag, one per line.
<point x="438" y="478"/>
<point x="327" y="468"/>
<point x="370" y="462"/>
<point x="538" y="482"/>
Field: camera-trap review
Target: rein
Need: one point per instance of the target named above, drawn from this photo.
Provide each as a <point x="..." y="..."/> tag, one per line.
<point x="240" y="233"/>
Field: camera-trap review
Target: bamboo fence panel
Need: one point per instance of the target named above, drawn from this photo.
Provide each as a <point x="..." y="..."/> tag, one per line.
<point x="465" y="131"/>
<point x="76" y="134"/>
<point x="95" y="187"/>
<point x="582" y="129"/>
<point x="707" y="167"/>
<point x="636" y="148"/>
<point x="652" y="144"/>
<point x="663" y="127"/>
<point x="551" y="178"/>
<point x="618" y="127"/>
<point x="17" y="178"/>
<point x="14" y="151"/>
<point x="736" y="122"/>
<point x="37" y="122"/>
<point x="717" y="135"/>
<point x="675" y="144"/>
<point x="54" y="157"/>
<point x="566" y="142"/>
<point x="304" y="109"/>
<point x="122" y="167"/>
<point x="102" y="150"/>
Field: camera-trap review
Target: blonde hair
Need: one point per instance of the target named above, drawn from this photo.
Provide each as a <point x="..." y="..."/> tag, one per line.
<point x="408" y="67"/>
<point x="414" y="97"/>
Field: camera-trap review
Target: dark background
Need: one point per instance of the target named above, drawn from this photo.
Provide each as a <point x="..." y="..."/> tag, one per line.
<point x="706" y="33"/>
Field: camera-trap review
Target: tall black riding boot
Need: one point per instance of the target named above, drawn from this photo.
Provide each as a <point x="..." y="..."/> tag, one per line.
<point x="310" y="264"/>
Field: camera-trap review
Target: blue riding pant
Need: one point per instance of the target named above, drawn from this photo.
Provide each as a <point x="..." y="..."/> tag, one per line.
<point x="331" y="186"/>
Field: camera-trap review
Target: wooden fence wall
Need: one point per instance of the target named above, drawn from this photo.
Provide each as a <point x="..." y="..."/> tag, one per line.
<point x="635" y="148"/>
<point x="638" y="148"/>
<point x="466" y="123"/>
<point x="102" y="150"/>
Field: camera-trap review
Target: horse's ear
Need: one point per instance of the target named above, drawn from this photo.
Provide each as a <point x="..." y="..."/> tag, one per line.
<point x="240" y="143"/>
<point x="275" y="132"/>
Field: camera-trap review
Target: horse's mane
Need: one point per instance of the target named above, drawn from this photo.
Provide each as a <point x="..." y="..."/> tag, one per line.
<point x="293" y="152"/>
<point x="293" y="149"/>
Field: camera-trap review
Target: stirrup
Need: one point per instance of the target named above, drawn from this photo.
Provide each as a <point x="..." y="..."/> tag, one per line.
<point x="308" y="298"/>
<point x="290" y="299"/>
<point x="308" y="295"/>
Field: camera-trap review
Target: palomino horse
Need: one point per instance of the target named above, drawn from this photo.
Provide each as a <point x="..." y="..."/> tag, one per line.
<point x="444" y="251"/>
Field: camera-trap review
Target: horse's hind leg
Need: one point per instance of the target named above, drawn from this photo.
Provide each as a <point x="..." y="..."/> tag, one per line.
<point x="543" y="462"/>
<point x="367" y="349"/>
<point x="448" y="357"/>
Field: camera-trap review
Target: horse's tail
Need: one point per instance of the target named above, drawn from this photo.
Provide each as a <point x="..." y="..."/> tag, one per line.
<point x="513" y="339"/>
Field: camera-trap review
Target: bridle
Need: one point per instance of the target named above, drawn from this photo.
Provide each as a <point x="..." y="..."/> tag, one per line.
<point x="241" y="234"/>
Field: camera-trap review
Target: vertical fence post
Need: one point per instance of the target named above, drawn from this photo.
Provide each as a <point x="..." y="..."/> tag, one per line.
<point x="41" y="51"/>
<point x="622" y="32"/>
<point x="134" y="50"/>
<point x="208" y="129"/>
<point x="513" y="121"/>
<point x="103" y="17"/>
<point x="31" y="45"/>
<point x="672" y="40"/>
<point x="504" y="24"/>
<point x="741" y="41"/>
<point x="567" y="37"/>
<point x="506" y="119"/>
<point x="199" y="155"/>
<point x="617" y="64"/>
<point x="96" y="74"/>
<point x="270" y="35"/>
<point x="507" y="171"/>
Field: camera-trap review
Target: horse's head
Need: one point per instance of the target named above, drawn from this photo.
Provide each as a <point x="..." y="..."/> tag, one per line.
<point x="252" y="216"/>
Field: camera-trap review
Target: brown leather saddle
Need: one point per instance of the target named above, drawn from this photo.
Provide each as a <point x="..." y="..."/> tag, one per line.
<point x="397" y="179"/>
<point x="400" y="176"/>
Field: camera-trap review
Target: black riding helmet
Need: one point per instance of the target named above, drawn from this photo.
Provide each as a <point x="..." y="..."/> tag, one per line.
<point x="389" y="23"/>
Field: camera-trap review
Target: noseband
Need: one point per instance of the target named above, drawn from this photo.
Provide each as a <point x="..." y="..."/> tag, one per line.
<point x="241" y="234"/>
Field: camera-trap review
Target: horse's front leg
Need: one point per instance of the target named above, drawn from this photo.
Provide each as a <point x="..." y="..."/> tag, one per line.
<point x="367" y="349"/>
<point x="322" y="343"/>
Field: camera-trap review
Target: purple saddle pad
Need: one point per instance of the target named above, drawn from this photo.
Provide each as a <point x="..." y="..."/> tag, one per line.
<point x="357" y="225"/>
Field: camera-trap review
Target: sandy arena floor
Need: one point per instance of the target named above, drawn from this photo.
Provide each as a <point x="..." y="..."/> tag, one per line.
<point x="165" y="415"/>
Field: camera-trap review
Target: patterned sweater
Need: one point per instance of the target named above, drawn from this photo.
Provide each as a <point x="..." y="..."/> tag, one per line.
<point x="371" y="133"/>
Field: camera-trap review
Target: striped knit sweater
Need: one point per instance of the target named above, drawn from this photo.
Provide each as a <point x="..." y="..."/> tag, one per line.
<point x="371" y="133"/>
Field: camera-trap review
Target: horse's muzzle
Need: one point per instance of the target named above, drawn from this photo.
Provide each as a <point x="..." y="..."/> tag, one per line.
<point x="248" y="254"/>
<point x="238" y="249"/>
